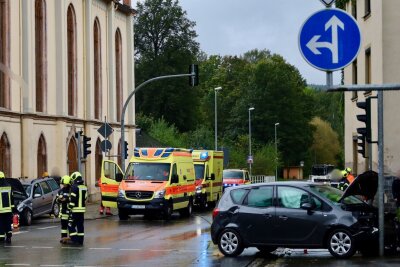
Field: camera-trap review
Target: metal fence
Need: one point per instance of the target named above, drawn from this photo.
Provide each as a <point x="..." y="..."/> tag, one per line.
<point x="261" y="179"/>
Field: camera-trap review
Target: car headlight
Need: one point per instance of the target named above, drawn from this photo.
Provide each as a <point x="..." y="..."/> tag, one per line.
<point x="199" y="188"/>
<point x="159" y="194"/>
<point x="121" y="193"/>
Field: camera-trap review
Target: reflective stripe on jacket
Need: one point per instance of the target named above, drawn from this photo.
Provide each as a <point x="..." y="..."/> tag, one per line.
<point x="6" y="199"/>
<point x="78" y="198"/>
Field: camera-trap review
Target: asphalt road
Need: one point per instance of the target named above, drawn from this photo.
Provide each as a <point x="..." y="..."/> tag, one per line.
<point x="144" y="242"/>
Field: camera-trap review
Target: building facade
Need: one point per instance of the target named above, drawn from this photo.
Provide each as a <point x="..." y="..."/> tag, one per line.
<point x="377" y="63"/>
<point x="65" y="66"/>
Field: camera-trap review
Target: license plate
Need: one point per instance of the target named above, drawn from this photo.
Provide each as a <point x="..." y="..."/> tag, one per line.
<point x="138" y="206"/>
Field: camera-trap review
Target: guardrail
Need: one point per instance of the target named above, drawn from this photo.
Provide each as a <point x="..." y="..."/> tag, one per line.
<point x="261" y="179"/>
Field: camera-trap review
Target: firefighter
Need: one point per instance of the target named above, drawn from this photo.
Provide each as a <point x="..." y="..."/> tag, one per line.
<point x="6" y="210"/>
<point x="77" y="206"/>
<point x="63" y="199"/>
<point x="347" y="179"/>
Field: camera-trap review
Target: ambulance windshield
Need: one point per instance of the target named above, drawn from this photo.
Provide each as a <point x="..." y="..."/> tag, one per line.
<point x="199" y="171"/>
<point x="148" y="171"/>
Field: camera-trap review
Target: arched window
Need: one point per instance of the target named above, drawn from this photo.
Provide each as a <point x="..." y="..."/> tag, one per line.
<point x="41" y="55"/>
<point x="97" y="70"/>
<point x="41" y="156"/>
<point x="72" y="65"/>
<point x="4" y="53"/>
<point x="118" y="73"/>
<point x="72" y="156"/>
<point x="98" y="159"/>
<point x="5" y="156"/>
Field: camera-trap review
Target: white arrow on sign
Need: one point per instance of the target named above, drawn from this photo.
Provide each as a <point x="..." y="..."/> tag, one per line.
<point x="313" y="44"/>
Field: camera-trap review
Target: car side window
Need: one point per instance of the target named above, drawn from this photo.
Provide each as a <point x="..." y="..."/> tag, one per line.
<point x="261" y="197"/>
<point x="46" y="188"/>
<point x="53" y="184"/>
<point x="237" y="195"/>
<point x="37" y="189"/>
<point x="292" y="198"/>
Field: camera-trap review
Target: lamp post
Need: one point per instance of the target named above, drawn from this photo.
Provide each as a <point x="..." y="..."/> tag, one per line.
<point x="215" y="106"/>
<point x="250" y="156"/>
<point x="276" y="154"/>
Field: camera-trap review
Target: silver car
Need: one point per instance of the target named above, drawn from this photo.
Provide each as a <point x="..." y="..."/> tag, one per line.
<point x="42" y="194"/>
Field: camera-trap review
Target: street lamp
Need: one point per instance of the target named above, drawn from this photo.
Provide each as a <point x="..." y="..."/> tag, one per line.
<point x="250" y="156"/>
<point x="276" y="154"/>
<point x="215" y="106"/>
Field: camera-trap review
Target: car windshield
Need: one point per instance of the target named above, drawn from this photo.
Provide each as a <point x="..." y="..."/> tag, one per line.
<point x="333" y="194"/>
<point x="148" y="171"/>
<point x="233" y="174"/>
<point x="199" y="171"/>
<point x="27" y="188"/>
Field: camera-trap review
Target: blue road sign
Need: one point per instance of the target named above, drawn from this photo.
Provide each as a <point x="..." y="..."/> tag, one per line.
<point x="330" y="39"/>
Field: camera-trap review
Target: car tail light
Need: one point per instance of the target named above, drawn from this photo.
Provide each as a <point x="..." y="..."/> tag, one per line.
<point x="215" y="213"/>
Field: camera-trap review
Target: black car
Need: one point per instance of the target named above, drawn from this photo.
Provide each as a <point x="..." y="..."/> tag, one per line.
<point x="296" y="215"/>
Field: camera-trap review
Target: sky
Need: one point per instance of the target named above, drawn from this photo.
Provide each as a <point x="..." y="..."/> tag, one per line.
<point x="233" y="27"/>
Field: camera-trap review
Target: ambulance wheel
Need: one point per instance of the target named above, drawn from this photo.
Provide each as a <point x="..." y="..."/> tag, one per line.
<point x="168" y="211"/>
<point x="187" y="212"/>
<point x="26" y="217"/>
<point x="123" y="216"/>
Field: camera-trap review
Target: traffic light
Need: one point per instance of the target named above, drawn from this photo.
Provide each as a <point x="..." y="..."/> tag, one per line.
<point x="366" y="119"/>
<point x="361" y="145"/>
<point x="126" y="149"/>
<point x="194" y="79"/>
<point x="86" y="146"/>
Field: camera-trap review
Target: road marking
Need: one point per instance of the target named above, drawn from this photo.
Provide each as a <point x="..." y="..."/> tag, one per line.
<point x="130" y="249"/>
<point x="14" y="246"/>
<point x="48" y="227"/>
<point x="17" y="264"/>
<point x="43" y="247"/>
<point x="100" y="248"/>
<point x="70" y="248"/>
<point x="52" y="265"/>
<point x="20" y="232"/>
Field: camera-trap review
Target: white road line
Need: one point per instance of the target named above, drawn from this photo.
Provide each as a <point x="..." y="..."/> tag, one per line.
<point x="70" y="248"/>
<point x="17" y="264"/>
<point x="48" y="227"/>
<point x="52" y="265"/>
<point x="20" y="232"/>
<point x="14" y="246"/>
<point x="100" y="248"/>
<point x="43" y="247"/>
<point x="131" y="249"/>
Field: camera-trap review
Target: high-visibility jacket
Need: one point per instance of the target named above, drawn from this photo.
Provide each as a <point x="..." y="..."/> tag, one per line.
<point x="78" y="197"/>
<point x="63" y="199"/>
<point x="6" y="198"/>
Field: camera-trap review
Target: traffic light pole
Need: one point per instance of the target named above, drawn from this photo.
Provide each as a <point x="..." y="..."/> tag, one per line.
<point x="381" y="183"/>
<point x="129" y="99"/>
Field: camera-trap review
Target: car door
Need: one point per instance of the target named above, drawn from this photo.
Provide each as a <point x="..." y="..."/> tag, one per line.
<point x="38" y="199"/>
<point x="295" y="225"/>
<point x="108" y="184"/>
<point x="256" y="217"/>
<point x="48" y="196"/>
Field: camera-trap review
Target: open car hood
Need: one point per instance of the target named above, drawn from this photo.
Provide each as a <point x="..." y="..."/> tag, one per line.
<point x="16" y="186"/>
<point x="365" y="184"/>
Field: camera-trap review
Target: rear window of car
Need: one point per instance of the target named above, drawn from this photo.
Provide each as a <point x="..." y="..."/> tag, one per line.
<point x="53" y="184"/>
<point x="237" y="195"/>
<point x="46" y="188"/>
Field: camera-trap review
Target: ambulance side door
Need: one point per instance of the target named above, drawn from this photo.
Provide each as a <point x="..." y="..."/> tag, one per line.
<point x="109" y="184"/>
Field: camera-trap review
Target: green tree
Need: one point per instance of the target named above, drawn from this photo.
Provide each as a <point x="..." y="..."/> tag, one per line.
<point x="326" y="147"/>
<point x="165" y="44"/>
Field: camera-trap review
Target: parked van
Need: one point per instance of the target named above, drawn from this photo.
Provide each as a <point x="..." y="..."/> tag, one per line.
<point x="157" y="181"/>
<point x="208" y="166"/>
<point x="234" y="177"/>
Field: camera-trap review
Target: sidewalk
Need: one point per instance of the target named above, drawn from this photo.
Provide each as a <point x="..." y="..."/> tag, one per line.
<point x="92" y="211"/>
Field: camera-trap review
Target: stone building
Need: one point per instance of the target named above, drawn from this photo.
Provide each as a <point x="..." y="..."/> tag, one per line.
<point x="65" y="66"/>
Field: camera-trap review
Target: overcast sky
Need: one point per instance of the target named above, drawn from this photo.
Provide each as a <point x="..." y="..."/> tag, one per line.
<point x="233" y="27"/>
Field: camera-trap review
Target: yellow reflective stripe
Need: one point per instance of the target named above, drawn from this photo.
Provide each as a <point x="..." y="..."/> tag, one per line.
<point x="64" y="231"/>
<point x="80" y="234"/>
<point x="72" y="234"/>
<point x="73" y="194"/>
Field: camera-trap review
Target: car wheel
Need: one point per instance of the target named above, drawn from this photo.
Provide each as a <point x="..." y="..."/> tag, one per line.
<point x="26" y="217"/>
<point x="266" y="249"/>
<point x="123" y="216"/>
<point x="341" y="244"/>
<point x="187" y="212"/>
<point x="230" y="243"/>
<point x="168" y="211"/>
<point x="56" y="210"/>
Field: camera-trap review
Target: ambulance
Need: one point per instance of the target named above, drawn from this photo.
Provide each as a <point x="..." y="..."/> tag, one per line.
<point x="208" y="166"/>
<point x="235" y="177"/>
<point x="157" y="181"/>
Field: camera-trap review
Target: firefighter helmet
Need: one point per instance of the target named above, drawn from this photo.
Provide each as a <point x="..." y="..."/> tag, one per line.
<point x="1" y="175"/>
<point x="66" y="180"/>
<point x="74" y="176"/>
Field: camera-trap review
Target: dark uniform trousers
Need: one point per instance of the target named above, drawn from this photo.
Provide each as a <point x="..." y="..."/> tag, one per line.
<point x="76" y="227"/>
<point x="5" y="225"/>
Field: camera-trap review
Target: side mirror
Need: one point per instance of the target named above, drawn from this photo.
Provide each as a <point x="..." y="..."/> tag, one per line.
<point x="174" y="179"/>
<point x="36" y="195"/>
<point x="118" y="177"/>
<point x="307" y="206"/>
